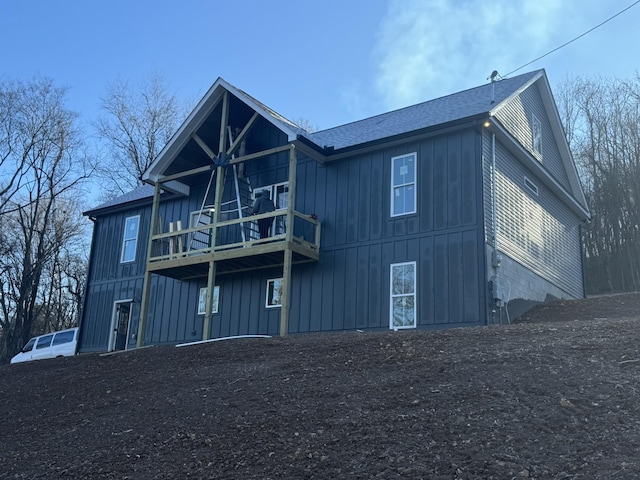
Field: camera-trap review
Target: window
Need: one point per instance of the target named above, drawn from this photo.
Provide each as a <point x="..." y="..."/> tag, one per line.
<point x="279" y="194"/>
<point x="130" y="239"/>
<point x="536" y="133"/>
<point x="274" y="293"/>
<point x="403" y="295"/>
<point x="63" y="337"/>
<point x="531" y="186"/>
<point x="403" y="185"/>
<point x="202" y="300"/>
<point x="44" y="342"/>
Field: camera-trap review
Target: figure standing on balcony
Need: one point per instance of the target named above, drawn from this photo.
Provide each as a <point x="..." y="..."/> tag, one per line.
<point x="263" y="204"/>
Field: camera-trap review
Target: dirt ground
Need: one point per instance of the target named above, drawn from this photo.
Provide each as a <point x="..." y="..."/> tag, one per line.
<point x="554" y="396"/>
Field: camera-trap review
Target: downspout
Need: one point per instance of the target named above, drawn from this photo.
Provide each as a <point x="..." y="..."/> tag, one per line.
<point x="494" y="206"/>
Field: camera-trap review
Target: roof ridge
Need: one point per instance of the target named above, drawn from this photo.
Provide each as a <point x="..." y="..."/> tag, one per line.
<point x="484" y="85"/>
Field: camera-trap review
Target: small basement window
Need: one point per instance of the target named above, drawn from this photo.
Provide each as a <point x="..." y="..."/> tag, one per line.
<point x="531" y="186"/>
<point x="274" y="293"/>
<point x="202" y="300"/>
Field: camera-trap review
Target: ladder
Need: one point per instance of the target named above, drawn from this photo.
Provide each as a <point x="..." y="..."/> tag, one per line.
<point x="243" y="197"/>
<point x="240" y="205"/>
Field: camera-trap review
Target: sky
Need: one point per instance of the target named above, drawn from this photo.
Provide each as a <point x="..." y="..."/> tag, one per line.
<point x="329" y="62"/>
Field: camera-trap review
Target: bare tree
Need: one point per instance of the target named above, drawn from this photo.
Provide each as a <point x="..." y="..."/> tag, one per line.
<point x="40" y="220"/>
<point x="138" y="124"/>
<point x="306" y="124"/>
<point x="602" y="121"/>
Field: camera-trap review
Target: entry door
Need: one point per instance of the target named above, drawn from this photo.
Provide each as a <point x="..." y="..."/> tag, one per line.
<point x="123" y="314"/>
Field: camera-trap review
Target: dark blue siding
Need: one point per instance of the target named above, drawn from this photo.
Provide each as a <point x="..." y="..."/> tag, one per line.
<point x="349" y="287"/>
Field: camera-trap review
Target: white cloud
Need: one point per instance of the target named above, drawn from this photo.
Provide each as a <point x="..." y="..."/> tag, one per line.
<point x="429" y="48"/>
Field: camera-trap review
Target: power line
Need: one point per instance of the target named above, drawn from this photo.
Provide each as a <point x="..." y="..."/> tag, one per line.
<point x="574" y="39"/>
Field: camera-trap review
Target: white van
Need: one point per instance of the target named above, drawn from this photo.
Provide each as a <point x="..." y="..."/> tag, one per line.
<point x="51" y="345"/>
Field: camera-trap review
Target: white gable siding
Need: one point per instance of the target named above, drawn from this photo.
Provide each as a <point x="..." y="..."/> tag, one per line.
<point x="517" y="117"/>
<point x="537" y="231"/>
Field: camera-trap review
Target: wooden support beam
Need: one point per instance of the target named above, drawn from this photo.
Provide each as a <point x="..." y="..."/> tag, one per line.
<point x="210" y="153"/>
<point x="241" y="136"/>
<point x="187" y="173"/>
<point x="288" y="253"/>
<point x="146" y="285"/>
<point x="211" y="277"/>
<point x="286" y="293"/>
<point x="261" y="154"/>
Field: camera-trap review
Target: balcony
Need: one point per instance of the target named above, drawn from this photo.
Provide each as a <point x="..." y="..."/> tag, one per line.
<point x="187" y="254"/>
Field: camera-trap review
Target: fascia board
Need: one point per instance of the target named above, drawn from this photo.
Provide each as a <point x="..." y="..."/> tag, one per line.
<point x="270" y="116"/>
<point x="179" y="139"/>
<point x="558" y="132"/>
<point x="561" y="140"/>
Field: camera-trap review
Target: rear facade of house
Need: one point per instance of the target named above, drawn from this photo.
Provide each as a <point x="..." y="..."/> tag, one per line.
<point x="444" y="214"/>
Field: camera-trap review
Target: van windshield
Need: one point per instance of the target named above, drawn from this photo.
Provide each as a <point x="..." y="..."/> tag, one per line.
<point x="29" y="346"/>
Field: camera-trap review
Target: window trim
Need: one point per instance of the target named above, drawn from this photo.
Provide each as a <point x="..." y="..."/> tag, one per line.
<point x="414" y="294"/>
<point x="133" y="239"/>
<point x="266" y="300"/>
<point x="536" y="135"/>
<point x="202" y="300"/>
<point x="414" y="183"/>
<point x="279" y="222"/>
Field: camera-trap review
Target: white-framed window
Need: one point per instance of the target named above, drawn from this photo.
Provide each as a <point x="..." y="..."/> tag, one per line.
<point x="279" y="194"/>
<point x="202" y="300"/>
<point x="536" y="135"/>
<point x="533" y="188"/>
<point x="403" y="184"/>
<point x="403" y="296"/>
<point x="130" y="239"/>
<point x="274" y="293"/>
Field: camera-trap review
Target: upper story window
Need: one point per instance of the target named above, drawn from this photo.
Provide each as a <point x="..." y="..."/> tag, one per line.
<point x="130" y="239"/>
<point x="403" y="184"/>
<point x="536" y="133"/>
<point x="279" y="194"/>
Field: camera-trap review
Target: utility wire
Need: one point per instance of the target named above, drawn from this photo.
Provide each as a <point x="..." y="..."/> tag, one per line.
<point x="576" y="38"/>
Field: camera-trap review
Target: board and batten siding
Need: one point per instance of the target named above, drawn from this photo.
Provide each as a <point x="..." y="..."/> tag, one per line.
<point x="349" y="287"/>
<point x="517" y="118"/>
<point x="109" y="279"/>
<point x="537" y="231"/>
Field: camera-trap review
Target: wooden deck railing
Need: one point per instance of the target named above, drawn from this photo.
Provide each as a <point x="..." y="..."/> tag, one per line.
<point x="196" y="241"/>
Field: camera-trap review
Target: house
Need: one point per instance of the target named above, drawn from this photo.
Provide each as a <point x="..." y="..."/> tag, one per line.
<point x="455" y="212"/>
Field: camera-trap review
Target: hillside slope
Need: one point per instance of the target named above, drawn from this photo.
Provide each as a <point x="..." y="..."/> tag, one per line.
<point x="552" y="397"/>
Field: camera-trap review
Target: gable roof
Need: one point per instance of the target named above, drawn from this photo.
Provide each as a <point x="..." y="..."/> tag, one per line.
<point x="461" y="107"/>
<point x="138" y="194"/>
<point x="201" y="112"/>
<point x="457" y="106"/>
